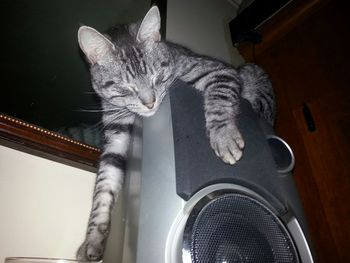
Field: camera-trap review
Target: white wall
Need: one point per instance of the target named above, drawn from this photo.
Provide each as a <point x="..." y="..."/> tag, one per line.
<point x="44" y="206"/>
<point x="202" y="25"/>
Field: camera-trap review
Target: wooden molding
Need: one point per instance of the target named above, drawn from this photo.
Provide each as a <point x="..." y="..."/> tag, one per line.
<point x="46" y="143"/>
<point x="279" y="25"/>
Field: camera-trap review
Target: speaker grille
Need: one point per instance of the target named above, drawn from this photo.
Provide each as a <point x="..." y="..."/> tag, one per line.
<point x="237" y="228"/>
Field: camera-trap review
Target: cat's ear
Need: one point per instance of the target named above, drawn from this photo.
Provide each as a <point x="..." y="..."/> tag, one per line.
<point x="150" y="26"/>
<point x="94" y="45"/>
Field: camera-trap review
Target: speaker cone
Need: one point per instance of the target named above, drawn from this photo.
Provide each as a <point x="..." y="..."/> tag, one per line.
<point x="234" y="227"/>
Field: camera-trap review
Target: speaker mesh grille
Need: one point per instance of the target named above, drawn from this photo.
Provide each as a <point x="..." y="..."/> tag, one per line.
<point x="238" y="228"/>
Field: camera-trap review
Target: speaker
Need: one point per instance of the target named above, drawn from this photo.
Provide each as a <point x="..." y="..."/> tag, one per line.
<point x="194" y="208"/>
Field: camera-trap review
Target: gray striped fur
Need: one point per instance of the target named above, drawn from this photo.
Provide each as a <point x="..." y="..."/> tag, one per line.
<point x="132" y="70"/>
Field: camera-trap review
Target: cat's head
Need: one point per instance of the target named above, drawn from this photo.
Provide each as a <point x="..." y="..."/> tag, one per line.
<point x="130" y="68"/>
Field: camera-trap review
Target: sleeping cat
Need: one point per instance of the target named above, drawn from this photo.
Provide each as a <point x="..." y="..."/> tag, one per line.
<point x="131" y="70"/>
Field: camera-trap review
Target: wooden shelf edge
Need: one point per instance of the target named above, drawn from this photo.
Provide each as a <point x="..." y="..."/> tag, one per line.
<point x="45" y="142"/>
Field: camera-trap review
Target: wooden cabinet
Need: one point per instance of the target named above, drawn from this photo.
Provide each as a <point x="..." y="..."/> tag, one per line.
<point x="305" y="51"/>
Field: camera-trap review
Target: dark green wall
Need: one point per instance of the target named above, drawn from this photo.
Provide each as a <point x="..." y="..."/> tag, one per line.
<point x="44" y="79"/>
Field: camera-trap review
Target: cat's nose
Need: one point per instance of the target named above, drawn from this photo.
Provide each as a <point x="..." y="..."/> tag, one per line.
<point x="149" y="105"/>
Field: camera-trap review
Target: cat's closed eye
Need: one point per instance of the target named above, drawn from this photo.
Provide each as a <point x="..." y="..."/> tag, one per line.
<point x="121" y="92"/>
<point x="132" y="88"/>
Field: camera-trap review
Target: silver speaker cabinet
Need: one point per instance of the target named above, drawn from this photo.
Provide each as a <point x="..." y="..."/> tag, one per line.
<point x="193" y="208"/>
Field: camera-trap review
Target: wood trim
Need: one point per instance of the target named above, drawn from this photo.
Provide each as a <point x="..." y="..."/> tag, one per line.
<point x="44" y="142"/>
<point x="279" y="25"/>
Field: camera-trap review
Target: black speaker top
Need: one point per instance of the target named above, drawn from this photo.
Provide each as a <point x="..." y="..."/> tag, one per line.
<point x="196" y="164"/>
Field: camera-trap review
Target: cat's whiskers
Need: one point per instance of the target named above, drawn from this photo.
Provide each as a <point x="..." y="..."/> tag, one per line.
<point x="90" y="92"/>
<point x="115" y="118"/>
<point x="99" y="126"/>
<point x="97" y="110"/>
<point x="119" y="113"/>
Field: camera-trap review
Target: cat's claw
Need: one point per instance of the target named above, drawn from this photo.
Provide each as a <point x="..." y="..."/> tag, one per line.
<point x="227" y="144"/>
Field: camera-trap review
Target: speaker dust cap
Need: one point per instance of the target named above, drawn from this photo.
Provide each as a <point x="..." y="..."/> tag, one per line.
<point x="235" y="227"/>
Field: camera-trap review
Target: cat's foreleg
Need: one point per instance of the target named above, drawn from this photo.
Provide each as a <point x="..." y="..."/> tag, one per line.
<point x="109" y="181"/>
<point x="221" y="107"/>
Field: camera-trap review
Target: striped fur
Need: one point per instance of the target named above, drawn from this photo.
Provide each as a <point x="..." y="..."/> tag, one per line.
<point x="131" y="70"/>
<point x="257" y="89"/>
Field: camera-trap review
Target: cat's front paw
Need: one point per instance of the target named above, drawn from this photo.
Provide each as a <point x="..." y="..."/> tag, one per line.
<point x="227" y="143"/>
<point x="90" y="251"/>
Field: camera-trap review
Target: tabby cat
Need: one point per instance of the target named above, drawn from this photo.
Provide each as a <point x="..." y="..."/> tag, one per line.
<point x="131" y="70"/>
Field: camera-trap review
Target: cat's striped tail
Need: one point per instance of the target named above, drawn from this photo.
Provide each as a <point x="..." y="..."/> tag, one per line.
<point x="257" y="89"/>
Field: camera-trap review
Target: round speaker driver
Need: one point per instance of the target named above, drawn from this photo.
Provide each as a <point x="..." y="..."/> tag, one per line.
<point x="234" y="227"/>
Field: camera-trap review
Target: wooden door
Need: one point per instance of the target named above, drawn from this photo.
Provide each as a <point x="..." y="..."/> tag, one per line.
<point x="328" y="152"/>
<point x="307" y="56"/>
